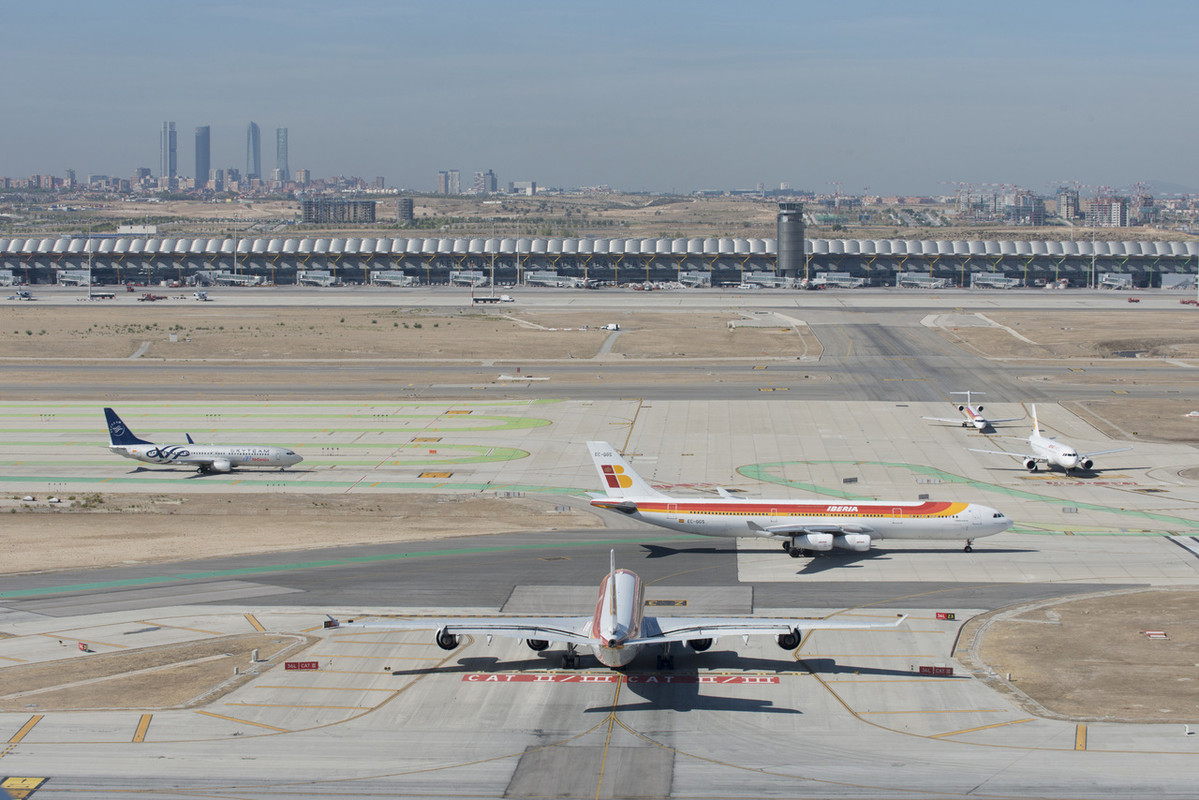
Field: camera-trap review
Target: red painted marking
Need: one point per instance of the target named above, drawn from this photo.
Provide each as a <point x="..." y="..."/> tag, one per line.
<point x="940" y="672"/>
<point x="525" y="677"/>
<point x="301" y="665"/>
<point x="946" y="615"/>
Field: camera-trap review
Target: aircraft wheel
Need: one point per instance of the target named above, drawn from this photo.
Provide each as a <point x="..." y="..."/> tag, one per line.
<point x="665" y="662"/>
<point x="794" y="552"/>
<point x="786" y="547"/>
<point x="969" y="548"/>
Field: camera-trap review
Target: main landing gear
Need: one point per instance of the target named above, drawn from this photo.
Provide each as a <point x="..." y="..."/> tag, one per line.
<point x="795" y="552"/>
<point x="665" y="658"/>
<point x="969" y="548"/>
<point x="570" y="660"/>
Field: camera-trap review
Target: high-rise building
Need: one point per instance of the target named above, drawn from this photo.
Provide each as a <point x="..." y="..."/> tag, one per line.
<point x="168" y="166"/>
<point x="253" y="151"/>
<point x="203" y="155"/>
<point x="443" y="182"/>
<point x="281" y="152"/>
<point x="455" y="186"/>
<point x="486" y="183"/>
<point x="405" y="209"/>
<point x="449" y="182"/>
<point x="323" y="210"/>
<point x="303" y="177"/>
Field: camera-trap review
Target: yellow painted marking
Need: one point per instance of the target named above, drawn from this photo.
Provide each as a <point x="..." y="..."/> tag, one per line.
<point x="292" y="705"/>
<point x="250" y="618"/>
<point x="427" y="439"/>
<point x="1080" y="737"/>
<point x="453" y="412"/>
<point x="10" y="658"/>
<point x="942" y="711"/>
<point x="871" y="655"/>
<point x="26" y="728"/>
<point x="242" y="721"/>
<point x="143" y="725"/>
<point x="922" y="679"/>
<point x="666" y="602"/>
<point x="985" y="727"/>
<point x="20" y="788"/>
<point x="179" y="627"/>
<point x="437" y="475"/>
<point x="760" y="367"/>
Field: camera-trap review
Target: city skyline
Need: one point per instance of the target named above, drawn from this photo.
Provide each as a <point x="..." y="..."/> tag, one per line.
<point x="671" y="97"/>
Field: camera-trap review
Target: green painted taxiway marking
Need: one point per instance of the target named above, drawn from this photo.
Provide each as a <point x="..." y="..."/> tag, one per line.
<point x="770" y="472"/>
<point x="332" y="562"/>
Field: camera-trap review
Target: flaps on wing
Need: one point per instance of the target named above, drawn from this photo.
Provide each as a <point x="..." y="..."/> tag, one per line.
<point x="1103" y="452"/>
<point x="569" y="630"/>
<point x="788" y="529"/>
<point x="660" y="630"/>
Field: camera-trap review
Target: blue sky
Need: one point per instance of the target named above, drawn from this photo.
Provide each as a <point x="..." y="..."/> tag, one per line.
<point x="900" y="97"/>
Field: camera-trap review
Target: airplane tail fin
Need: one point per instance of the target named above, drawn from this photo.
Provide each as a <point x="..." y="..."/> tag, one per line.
<point x="619" y="479"/>
<point x="190" y="440"/>
<point x="118" y="431"/>
<point x="1036" y="428"/>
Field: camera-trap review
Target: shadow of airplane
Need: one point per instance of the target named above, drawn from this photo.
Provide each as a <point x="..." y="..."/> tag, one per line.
<point x="661" y="551"/>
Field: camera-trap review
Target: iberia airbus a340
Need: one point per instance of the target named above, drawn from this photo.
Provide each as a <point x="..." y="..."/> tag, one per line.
<point x="800" y="526"/>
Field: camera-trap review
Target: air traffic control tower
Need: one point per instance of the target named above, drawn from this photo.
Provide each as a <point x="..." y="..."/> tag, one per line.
<point x="790" y="240"/>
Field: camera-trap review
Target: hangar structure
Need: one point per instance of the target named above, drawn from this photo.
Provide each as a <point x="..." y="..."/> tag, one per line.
<point x="723" y="261"/>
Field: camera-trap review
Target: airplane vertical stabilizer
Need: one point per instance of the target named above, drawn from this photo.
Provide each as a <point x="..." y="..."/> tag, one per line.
<point x="1036" y="428"/>
<point x="118" y="431"/>
<point x="618" y="478"/>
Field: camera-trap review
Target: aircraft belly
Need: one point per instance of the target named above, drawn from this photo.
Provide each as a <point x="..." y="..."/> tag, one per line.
<point x="614" y="656"/>
<point x="915" y="530"/>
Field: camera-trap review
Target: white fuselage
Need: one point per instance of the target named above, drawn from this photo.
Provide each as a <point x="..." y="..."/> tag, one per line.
<point x="976" y="418"/>
<point x="733" y="517"/>
<point x="618" y="611"/>
<point x="1055" y="453"/>
<point x="222" y="458"/>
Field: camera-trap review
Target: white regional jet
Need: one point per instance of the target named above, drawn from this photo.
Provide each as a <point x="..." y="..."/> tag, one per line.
<point x="800" y="526"/>
<point x="974" y="415"/>
<point x="205" y="457"/>
<point x="617" y="630"/>
<point x="1052" y="452"/>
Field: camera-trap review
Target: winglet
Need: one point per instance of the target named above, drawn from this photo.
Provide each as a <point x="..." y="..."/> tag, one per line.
<point x="619" y="479"/>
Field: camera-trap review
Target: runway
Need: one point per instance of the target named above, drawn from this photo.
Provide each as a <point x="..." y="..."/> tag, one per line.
<point x="848" y="715"/>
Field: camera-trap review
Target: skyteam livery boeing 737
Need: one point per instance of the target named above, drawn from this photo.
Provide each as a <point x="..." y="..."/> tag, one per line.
<point x="800" y="526"/>
<point x="204" y="457"/>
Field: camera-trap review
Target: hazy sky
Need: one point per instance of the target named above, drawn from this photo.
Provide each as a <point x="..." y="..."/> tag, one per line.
<point x="665" y="95"/>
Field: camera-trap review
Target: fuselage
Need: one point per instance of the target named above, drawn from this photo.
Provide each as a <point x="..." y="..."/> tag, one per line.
<point x="219" y="455"/>
<point x="1055" y="453"/>
<point x="976" y="418"/>
<point x="617" y="619"/>
<point x="922" y="520"/>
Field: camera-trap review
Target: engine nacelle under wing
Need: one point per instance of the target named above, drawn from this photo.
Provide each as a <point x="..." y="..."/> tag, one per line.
<point x="221" y="465"/>
<point x="814" y="541"/>
<point x="1030" y="464"/>
<point x="857" y="542"/>
<point x="1086" y="464"/>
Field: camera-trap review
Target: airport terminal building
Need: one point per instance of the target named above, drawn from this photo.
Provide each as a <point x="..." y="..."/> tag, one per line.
<point x="574" y="261"/>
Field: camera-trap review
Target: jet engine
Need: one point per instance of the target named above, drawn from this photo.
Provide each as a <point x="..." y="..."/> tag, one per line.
<point x="857" y="542"/>
<point x="699" y="645"/>
<point x="1030" y="464"/>
<point x="221" y="465"/>
<point x="537" y="645"/>
<point x="1086" y="464"/>
<point x="788" y="641"/>
<point x="813" y="541"/>
<point x="446" y="640"/>
<point x="961" y="408"/>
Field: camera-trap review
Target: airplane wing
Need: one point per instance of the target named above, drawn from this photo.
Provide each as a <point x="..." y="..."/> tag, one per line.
<point x="958" y="420"/>
<point x="799" y="528"/>
<point x="1007" y="419"/>
<point x="660" y="630"/>
<point x="1006" y="453"/>
<point x="569" y="630"/>
<point x="1103" y="452"/>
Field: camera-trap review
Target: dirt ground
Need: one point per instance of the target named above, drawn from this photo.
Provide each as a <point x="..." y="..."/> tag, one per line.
<point x="207" y="331"/>
<point x="1090" y="658"/>
<point x="1086" y="334"/>
<point x="127" y="529"/>
<point x="171" y="676"/>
